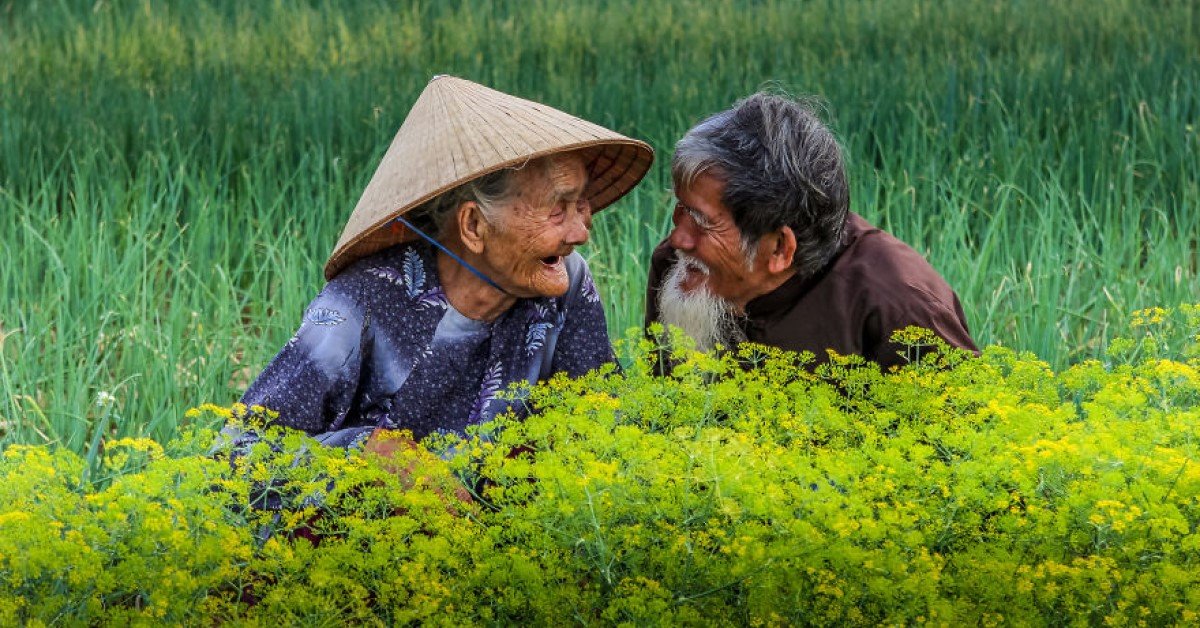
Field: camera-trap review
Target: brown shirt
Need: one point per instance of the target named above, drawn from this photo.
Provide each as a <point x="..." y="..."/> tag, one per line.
<point x="874" y="286"/>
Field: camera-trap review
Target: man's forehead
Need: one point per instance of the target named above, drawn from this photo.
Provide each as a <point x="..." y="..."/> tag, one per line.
<point x="703" y="194"/>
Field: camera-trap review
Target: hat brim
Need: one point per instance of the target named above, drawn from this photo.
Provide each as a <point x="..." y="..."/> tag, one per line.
<point x="614" y="168"/>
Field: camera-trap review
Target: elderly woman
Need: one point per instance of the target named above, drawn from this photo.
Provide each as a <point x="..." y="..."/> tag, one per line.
<point x="456" y="275"/>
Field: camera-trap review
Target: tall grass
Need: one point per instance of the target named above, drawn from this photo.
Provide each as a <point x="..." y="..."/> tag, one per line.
<point x="172" y="175"/>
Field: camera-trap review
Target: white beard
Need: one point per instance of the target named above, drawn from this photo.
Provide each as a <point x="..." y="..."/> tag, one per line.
<point x="704" y="317"/>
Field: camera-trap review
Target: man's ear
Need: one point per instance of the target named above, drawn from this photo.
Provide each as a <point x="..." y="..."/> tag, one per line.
<point x="782" y="250"/>
<point x="472" y="227"/>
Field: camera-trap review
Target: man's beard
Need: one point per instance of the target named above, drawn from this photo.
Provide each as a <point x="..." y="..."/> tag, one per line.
<point x="706" y="318"/>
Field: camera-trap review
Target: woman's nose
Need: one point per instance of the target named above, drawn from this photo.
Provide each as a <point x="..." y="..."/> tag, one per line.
<point x="577" y="230"/>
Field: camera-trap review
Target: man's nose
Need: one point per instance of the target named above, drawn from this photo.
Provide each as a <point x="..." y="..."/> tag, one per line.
<point x="681" y="238"/>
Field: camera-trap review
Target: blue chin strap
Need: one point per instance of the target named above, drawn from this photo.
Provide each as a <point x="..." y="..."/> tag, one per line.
<point x="475" y="271"/>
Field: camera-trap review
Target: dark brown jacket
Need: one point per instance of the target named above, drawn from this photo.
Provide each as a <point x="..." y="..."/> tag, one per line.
<point x="875" y="285"/>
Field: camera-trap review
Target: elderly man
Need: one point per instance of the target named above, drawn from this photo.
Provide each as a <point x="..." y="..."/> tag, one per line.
<point x="765" y="248"/>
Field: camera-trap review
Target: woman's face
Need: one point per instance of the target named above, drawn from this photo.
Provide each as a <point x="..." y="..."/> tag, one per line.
<point x="526" y="247"/>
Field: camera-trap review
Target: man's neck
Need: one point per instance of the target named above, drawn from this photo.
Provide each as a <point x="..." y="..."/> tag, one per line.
<point x="767" y="285"/>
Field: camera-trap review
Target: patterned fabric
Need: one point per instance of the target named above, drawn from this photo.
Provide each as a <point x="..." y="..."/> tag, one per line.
<point x="381" y="346"/>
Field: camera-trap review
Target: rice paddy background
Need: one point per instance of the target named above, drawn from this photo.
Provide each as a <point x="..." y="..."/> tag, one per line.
<point x="173" y="175"/>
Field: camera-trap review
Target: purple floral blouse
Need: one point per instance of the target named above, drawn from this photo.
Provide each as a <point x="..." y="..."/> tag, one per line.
<point x="381" y="346"/>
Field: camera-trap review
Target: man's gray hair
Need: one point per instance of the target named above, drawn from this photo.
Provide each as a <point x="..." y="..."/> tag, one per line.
<point x="781" y="167"/>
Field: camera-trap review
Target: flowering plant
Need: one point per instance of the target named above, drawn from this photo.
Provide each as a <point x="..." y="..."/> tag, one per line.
<point x="739" y="488"/>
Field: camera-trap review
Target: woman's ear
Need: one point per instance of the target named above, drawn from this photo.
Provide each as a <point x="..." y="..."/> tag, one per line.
<point x="473" y="229"/>
<point x="782" y="251"/>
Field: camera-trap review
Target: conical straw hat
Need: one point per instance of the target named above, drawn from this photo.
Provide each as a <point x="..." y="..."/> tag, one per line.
<point x="458" y="131"/>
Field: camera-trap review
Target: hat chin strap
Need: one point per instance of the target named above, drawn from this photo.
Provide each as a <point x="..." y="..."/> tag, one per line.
<point x="454" y="257"/>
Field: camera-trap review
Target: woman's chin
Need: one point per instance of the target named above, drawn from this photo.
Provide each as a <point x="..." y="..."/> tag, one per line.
<point x="551" y="280"/>
<point x="552" y="290"/>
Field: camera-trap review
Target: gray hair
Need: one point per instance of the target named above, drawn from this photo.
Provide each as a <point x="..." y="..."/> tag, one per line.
<point x="781" y="167"/>
<point x="489" y="192"/>
<point x="706" y="318"/>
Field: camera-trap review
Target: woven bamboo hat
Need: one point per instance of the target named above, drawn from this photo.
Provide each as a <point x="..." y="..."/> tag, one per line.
<point x="458" y="131"/>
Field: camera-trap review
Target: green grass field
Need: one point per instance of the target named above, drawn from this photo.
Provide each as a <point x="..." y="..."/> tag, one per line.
<point x="173" y="175"/>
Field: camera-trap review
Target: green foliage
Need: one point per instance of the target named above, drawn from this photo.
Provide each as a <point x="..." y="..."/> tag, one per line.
<point x="173" y="175"/>
<point x="740" y="489"/>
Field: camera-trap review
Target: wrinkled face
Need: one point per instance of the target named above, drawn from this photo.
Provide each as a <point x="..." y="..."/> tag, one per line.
<point x="525" y="250"/>
<point x="705" y="232"/>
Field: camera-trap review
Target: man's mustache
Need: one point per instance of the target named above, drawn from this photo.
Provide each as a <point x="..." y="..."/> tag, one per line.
<point x="691" y="262"/>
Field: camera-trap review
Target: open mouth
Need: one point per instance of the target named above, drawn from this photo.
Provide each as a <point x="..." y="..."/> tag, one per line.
<point x="552" y="260"/>
<point x="688" y="272"/>
<point x="693" y="265"/>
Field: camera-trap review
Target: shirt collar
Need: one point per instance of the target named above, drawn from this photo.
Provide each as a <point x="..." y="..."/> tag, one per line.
<point x="781" y="298"/>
